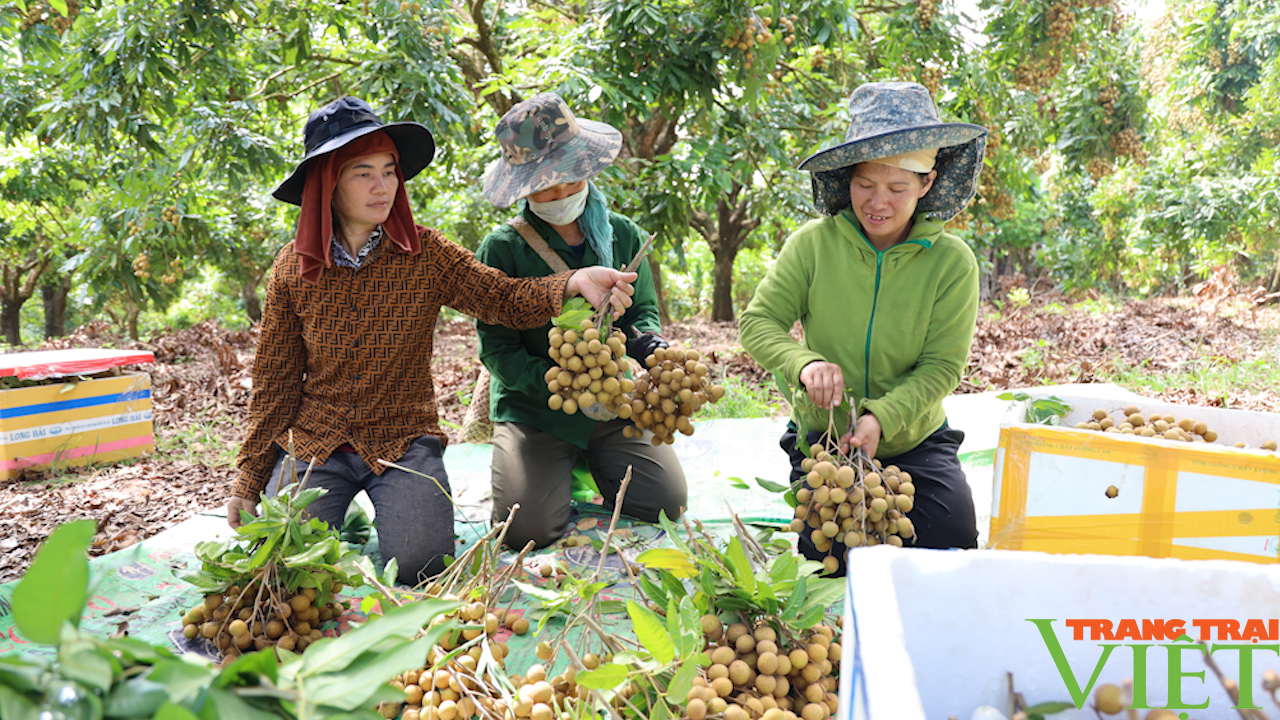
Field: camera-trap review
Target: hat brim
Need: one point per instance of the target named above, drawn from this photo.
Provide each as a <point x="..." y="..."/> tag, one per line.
<point x="582" y="158"/>
<point x="961" y="147"/>
<point x="894" y="142"/>
<point x="414" y="144"/>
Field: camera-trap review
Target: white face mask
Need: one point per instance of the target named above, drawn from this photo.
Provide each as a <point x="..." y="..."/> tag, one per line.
<point x="563" y="211"/>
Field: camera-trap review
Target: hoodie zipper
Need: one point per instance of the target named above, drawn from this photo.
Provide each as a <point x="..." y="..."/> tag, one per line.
<point x="875" y="298"/>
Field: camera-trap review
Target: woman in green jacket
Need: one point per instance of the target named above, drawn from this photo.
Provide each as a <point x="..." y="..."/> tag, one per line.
<point x="887" y="299"/>
<point x="549" y="158"/>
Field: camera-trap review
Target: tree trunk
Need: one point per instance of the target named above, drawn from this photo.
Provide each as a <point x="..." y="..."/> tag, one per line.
<point x="663" y="316"/>
<point x="722" y="284"/>
<point x="54" y="298"/>
<point x="11" y="320"/>
<point x="725" y="234"/>
<point x="249" y="295"/>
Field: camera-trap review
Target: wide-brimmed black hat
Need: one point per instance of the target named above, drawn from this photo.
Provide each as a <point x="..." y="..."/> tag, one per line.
<point x="344" y="120"/>
<point x="892" y="118"/>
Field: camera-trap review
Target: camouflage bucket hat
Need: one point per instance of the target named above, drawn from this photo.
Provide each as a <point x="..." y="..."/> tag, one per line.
<point x="543" y="145"/>
<point x="892" y="118"/>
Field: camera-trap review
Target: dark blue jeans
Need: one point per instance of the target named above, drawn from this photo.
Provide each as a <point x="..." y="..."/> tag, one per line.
<point x="414" y="519"/>
<point x="943" y="515"/>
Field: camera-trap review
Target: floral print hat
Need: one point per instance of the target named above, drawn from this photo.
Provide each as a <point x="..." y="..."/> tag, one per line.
<point x="896" y="118"/>
<point x="543" y="145"/>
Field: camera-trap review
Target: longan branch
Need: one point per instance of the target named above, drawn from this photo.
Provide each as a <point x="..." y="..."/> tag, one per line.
<point x="613" y="523"/>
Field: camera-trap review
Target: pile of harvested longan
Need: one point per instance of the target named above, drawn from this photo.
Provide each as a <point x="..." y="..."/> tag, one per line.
<point x="671" y="388"/>
<point x="456" y="688"/>
<point x="246" y="619"/>
<point x="753" y="674"/>
<point x="1156" y="425"/>
<point x="838" y="503"/>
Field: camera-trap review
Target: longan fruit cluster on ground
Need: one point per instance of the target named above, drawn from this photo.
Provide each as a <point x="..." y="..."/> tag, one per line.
<point x="589" y="369"/>
<point x="455" y="689"/>
<point x="839" y="504"/>
<point x="242" y="620"/>
<point x="754" y="674"/>
<point x="671" y="388"/>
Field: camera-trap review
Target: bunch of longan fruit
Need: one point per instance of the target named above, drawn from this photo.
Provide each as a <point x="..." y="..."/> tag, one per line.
<point x="754" y="674"/>
<point x="671" y="388"/>
<point x="452" y="690"/>
<point x="243" y="620"/>
<point x="590" y="368"/>
<point x="838" y="502"/>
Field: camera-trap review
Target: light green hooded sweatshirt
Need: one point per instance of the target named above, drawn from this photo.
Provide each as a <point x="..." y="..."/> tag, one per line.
<point x="899" y="323"/>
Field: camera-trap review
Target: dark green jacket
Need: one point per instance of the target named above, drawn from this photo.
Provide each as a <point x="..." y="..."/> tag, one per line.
<point x="518" y="358"/>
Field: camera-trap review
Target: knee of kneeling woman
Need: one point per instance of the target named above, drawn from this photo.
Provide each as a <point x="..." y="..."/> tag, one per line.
<point x="540" y="532"/>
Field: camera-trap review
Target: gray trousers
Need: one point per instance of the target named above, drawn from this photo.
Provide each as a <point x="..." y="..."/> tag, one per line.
<point x="535" y="469"/>
<point x="414" y="519"/>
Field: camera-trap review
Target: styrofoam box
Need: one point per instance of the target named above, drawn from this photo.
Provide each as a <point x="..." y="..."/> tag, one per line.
<point x="932" y="634"/>
<point x="1175" y="499"/>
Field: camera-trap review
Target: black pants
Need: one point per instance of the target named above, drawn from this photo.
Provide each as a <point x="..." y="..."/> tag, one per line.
<point x="943" y="515"/>
<point x="413" y="516"/>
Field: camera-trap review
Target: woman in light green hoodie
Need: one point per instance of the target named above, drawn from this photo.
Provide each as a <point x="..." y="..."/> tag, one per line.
<point x="888" y="302"/>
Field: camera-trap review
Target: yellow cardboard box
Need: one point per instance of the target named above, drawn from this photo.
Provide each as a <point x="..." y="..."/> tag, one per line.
<point x="1173" y="499"/>
<point x="75" y="423"/>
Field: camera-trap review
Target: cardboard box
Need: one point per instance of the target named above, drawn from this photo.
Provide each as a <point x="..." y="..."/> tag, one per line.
<point x="935" y="634"/>
<point x="1175" y="499"/>
<point x="75" y="423"/>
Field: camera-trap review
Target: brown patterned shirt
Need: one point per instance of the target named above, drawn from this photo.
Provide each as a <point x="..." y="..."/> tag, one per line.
<point x="349" y="360"/>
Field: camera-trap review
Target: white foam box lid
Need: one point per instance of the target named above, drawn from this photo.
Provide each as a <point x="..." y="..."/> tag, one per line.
<point x="932" y="634"/>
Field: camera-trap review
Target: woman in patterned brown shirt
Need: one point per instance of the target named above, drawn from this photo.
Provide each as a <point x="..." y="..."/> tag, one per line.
<point x="343" y="366"/>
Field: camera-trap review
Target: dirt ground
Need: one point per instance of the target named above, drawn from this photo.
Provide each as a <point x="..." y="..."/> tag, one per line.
<point x="201" y="389"/>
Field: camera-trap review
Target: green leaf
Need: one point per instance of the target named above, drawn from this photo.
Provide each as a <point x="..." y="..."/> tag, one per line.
<point x="739" y="483"/>
<point x="225" y="704"/>
<point x="681" y="683"/>
<point x="572" y="313"/>
<point x="135" y="697"/>
<point x="56" y="586"/>
<point x="540" y="593"/>
<point x="250" y="665"/>
<point x="741" y="566"/>
<point x="605" y="677"/>
<point x="173" y="711"/>
<point x="772" y="486"/>
<point x="86" y="666"/>
<point x="60" y="6"/>
<point x="313" y="555"/>
<point x="651" y="633"/>
<point x="183" y="680"/>
<point x="334" y="654"/>
<point x="783" y="568"/>
<point x="351" y="688"/>
<point x="263" y="554"/>
<point x="670" y="559"/>
<point x="654" y="590"/>
<point x="14" y="705"/>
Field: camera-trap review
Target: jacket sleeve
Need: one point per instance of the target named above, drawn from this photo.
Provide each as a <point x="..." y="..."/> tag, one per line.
<point x="780" y="300"/>
<point x="279" y="366"/>
<point x="501" y="348"/>
<point x="941" y="365"/>
<point x="485" y="293"/>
